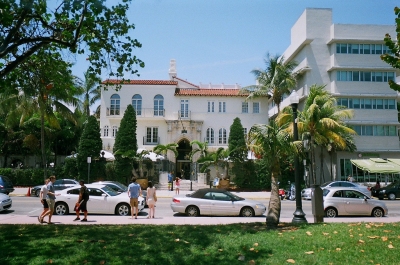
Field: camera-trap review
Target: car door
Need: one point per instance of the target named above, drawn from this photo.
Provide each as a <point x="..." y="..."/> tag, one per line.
<point x="204" y="203"/>
<point x="97" y="202"/>
<point x="223" y="204"/>
<point x="355" y="203"/>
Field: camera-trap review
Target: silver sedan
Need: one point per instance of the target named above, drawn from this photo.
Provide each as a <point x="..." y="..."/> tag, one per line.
<point x="350" y="201"/>
<point x="216" y="202"/>
<point x="306" y="193"/>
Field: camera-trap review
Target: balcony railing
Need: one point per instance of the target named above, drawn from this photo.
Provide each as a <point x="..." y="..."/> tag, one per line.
<point x="143" y="112"/>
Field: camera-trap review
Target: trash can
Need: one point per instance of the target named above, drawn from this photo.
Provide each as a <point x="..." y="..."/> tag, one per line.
<point x="317" y="203"/>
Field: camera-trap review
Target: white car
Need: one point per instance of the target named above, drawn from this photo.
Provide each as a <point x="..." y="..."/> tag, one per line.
<point x="216" y="202"/>
<point x="5" y="202"/>
<point x="306" y="193"/>
<point x="102" y="199"/>
<point x="350" y="201"/>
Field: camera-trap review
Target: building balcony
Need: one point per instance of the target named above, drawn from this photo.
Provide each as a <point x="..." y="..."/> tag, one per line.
<point x="142" y="113"/>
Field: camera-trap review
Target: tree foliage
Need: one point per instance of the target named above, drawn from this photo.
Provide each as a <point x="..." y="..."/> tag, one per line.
<point x="90" y="145"/>
<point x="237" y="142"/>
<point x="126" y="141"/>
<point x="393" y="59"/>
<point x="88" y="27"/>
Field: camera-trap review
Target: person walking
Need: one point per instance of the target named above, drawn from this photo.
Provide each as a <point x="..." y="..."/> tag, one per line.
<point x="170" y="179"/>
<point x="43" y="195"/>
<point x="151" y="199"/>
<point x="50" y="199"/>
<point x="134" y="191"/>
<point x="81" y="204"/>
<point x="177" y="185"/>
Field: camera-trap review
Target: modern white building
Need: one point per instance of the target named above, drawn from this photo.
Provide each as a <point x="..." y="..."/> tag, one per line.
<point x="177" y="111"/>
<point x="346" y="58"/>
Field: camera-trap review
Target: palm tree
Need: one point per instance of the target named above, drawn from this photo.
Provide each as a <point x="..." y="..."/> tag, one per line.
<point x="202" y="148"/>
<point x="92" y="92"/>
<point x="163" y="149"/>
<point x="212" y="159"/>
<point x="323" y="122"/>
<point x="272" y="142"/>
<point x="45" y="85"/>
<point x="275" y="81"/>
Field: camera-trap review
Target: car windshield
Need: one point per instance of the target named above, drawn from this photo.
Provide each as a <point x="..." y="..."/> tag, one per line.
<point x="325" y="192"/>
<point x="326" y="184"/>
<point x="124" y="187"/>
<point x="234" y="196"/>
<point x="110" y="191"/>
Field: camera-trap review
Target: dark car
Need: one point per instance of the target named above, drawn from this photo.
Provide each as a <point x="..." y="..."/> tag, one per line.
<point x="60" y="184"/>
<point x="391" y="191"/>
<point x="6" y="185"/>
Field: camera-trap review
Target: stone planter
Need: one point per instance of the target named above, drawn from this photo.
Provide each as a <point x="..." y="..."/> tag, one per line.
<point x="144" y="183"/>
<point x="223" y="184"/>
<point x="163" y="177"/>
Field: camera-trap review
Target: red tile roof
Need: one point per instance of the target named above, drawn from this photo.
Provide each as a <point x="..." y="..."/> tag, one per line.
<point x="185" y="81"/>
<point x="140" y="82"/>
<point x="209" y="92"/>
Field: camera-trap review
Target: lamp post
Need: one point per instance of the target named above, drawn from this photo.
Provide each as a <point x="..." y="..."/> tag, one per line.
<point x="299" y="215"/>
<point x="89" y="160"/>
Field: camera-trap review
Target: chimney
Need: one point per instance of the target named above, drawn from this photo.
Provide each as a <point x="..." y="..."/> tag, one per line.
<point x="172" y="69"/>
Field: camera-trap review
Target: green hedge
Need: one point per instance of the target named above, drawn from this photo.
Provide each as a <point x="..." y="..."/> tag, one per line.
<point x="29" y="177"/>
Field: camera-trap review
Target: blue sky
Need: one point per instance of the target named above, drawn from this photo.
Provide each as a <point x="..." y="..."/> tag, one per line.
<point x="221" y="41"/>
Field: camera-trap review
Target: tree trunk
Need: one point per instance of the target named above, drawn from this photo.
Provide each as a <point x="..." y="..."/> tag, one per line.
<point x="42" y="145"/>
<point x="312" y="167"/>
<point x="274" y="207"/>
<point x="322" y="164"/>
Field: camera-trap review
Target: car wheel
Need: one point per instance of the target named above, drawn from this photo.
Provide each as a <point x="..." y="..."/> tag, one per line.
<point x="247" y="212"/>
<point x="123" y="209"/>
<point x="192" y="211"/>
<point x="392" y="196"/>
<point x="61" y="208"/>
<point x="377" y="212"/>
<point x="331" y="212"/>
<point x="37" y="193"/>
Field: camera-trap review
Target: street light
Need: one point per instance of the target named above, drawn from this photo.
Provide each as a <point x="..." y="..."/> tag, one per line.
<point x="299" y="215"/>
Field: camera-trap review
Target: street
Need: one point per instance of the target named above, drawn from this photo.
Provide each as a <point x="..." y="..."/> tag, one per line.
<point x="31" y="206"/>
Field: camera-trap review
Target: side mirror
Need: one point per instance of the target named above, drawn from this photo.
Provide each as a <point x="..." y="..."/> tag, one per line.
<point x="104" y="195"/>
<point x="365" y="198"/>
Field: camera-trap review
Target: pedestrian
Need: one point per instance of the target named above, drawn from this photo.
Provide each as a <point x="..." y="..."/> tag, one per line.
<point x="170" y="178"/>
<point x="134" y="191"/>
<point x="43" y="195"/>
<point x="177" y="185"/>
<point x="50" y="199"/>
<point x="151" y="199"/>
<point x="81" y="204"/>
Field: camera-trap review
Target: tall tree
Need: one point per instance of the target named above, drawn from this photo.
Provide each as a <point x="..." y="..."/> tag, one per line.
<point x="275" y="81"/>
<point x="200" y="147"/>
<point x="91" y="92"/>
<point x="90" y="145"/>
<point x="322" y="121"/>
<point x="393" y="58"/>
<point x="213" y="159"/>
<point x="272" y="142"/>
<point x="126" y="141"/>
<point x="236" y="142"/>
<point x="88" y="27"/>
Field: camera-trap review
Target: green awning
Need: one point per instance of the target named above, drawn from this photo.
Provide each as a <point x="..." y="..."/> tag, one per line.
<point x="377" y="165"/>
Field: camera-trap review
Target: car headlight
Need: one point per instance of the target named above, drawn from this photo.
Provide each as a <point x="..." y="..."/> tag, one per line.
<point x="260" y="206"/>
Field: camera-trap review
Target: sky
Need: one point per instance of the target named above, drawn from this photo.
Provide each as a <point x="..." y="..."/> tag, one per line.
<point x="221" y="41"/>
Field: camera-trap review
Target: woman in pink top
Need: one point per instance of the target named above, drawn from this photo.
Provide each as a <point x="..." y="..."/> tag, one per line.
<point x="177" y="185"/>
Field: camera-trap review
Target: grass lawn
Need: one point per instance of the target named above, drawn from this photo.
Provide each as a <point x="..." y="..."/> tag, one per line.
<point x="333" y="243"/>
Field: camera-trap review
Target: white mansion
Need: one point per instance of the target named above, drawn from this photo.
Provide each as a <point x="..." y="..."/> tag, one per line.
<point x="345" y="58"/>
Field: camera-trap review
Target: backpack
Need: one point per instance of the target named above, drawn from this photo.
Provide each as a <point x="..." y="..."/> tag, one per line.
<point x="85" y="195"/>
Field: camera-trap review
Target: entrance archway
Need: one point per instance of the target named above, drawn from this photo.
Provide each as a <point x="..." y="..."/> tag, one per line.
<point x="183" y="160"/>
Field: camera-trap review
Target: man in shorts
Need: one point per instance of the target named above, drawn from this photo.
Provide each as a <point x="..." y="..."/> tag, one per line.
<point x="50" y="199"/>
<point x="43" y="195"/>
<point x="134" y="191"/>
<point x="82" y="202"/>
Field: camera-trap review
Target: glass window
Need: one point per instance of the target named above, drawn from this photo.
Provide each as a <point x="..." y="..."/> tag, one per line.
<point x="245" y="131"/>
<point x="367" y="49"/>
<point x="378" y="77"/>
<point x="378" y="49"/>
<point x="367" y="103"/>
<point x="152" y="135"/>
<point x="115" y="105"/>
<point x="357" y="129"/>
<point x="245" y="107"/>
<point x="114" y="131"/>
<point x="158" y="105"/>
<point x="379" y="103"/>
<point x="390" y="76"/>
<point x="372" y="48"/>
<point x="356" y="75"/>
<point x="222" y="106"/>
<point x="184" y="108"/>
<point x="379" y="130"/>
<point x="392" y="131"/>
<point x="210" y="106"/>
<point x="391" y="104"/>
<point x="137" y="104"/>
<point x="354" y="48"/>
<point x="343" y="48"/>
<point x="345" y="102"/>
<point x="256" y="107"/>
<point x="367" y="76"/>
<point x="367" y="130"/>
<point x="222" y="136"/>
<point x="350" y="106"/>
<point x="105" y="133"/>
<point x="356" y="103"/>
<point x="210" y="136"/>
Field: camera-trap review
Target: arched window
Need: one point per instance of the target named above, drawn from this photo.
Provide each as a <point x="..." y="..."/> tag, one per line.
<point x="222" y="136"/>
<point x="105" y="133"/>
<point x="115" y="105"/>
<point x="210" y="136"/>
<point x="114" y="131"/>
<point x="137" y="104"/>
<point x="158" y="105"/>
